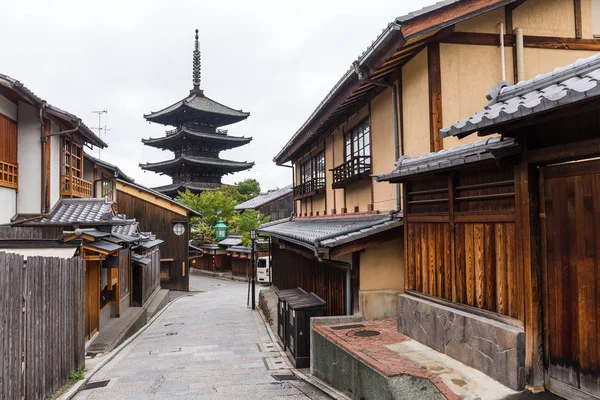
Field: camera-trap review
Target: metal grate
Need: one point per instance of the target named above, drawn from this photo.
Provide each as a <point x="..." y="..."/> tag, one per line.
<point x="96" y="385"/>
<point x="367" y="333"/>
<point x="286" y="377"/>
<point x="338" y="328"/>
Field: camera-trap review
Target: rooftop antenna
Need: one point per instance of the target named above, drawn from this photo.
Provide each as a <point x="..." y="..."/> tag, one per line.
<point x="99" y="112"/>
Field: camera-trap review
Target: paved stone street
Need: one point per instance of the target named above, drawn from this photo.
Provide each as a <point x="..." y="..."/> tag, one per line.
<point x="204" y="346"/>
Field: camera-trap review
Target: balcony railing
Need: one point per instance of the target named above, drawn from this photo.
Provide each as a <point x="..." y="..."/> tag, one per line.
<point x="309" y="188"/>
<point x="355" y="169"/>
<point x="72" y="186"/>
<point x="9" y="176"/>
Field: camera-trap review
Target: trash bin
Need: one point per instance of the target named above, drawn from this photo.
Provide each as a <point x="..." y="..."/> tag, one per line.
<point x="300" y="309"/>
<point x="282" y="296"/>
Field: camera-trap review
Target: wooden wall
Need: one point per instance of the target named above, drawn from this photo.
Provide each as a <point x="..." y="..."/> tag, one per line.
<point x="8" y="140"/>
<point x="24" y="232"/>
<point x="124" y="273"/>
<point x="160" y="221"/>
<point x="295" y="267"/>
<point x="461" y="239"/>
<point x="146" y="278"/>
<point x="50" y="331"/>
<point x="281" y="208"/>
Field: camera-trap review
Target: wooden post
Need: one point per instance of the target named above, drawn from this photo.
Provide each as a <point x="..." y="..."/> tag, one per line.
<point x="435" y="96"/>
<point x="578" y="28"/>
<point x="527" y="224"/>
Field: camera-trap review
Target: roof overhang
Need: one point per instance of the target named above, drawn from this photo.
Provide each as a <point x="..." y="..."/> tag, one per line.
<point x="156" y="198"/>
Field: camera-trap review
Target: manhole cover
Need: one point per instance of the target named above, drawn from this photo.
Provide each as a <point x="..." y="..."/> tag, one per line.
<point x="339" y="328"/>
<point x="96" y="385"/>
<point x="367" y="333"/>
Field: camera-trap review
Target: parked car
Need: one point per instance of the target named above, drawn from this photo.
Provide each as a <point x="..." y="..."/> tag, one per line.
<point x="263" y="272"/>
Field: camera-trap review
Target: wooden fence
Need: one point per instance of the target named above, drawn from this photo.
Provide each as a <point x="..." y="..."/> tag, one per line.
<point x="42" y="309"/>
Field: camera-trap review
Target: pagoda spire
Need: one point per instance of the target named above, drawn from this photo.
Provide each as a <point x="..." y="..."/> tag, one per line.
<point x="196" y="67"/>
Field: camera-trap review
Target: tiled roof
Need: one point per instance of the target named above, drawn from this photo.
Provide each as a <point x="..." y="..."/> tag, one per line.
<point x="148" y="244"/>
<point x="81" y="211"/>
<point x="229" y="142"/>
<point x="130" y="229"/>
<point x="140" y="259"/>
<point x="199" y="103"/>
<point x="263" y="199"/>
<point x="240" y="249"/>
<point x="507" y="103"/>
<point x="103" y="245"/>
<point x="193" y="186"/>
<point x="330" y="231"/>
<point x="231" y="240"/>
<point x="197" y="161"/>
<point x="453" y="157"/>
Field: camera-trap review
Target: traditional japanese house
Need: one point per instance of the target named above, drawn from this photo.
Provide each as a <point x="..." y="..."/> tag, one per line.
<point x="196" y="140"/>
<point x="103" y="176"/>
<point x="276" y="203"/>
<point x="426" y="69"/>
<point x="169" y="220"/>
<point x="43" y="145"/>
<point x="504" y="234"/>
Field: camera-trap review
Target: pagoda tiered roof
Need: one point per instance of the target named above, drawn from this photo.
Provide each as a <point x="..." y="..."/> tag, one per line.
<point x="199" y="110"/>
<point x="219" y="139"/>
<point x="209" y="163"/>
<point x="172" y="189"/>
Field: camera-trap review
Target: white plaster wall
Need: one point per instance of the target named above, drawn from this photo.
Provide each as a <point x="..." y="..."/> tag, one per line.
<point x="54" y="166"/>
<point x="29" y="156"/>
<point x="8" y="204"/>
<point x="8" y="108"/>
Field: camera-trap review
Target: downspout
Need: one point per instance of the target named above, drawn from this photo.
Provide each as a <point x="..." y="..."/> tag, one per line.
<point x="520" y="55"/>
<point x="43" y="141"/>
<point x="362" y="78"/>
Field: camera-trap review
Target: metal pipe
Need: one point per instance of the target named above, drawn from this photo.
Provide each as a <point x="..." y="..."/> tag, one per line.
<point x="520" y="55"/>
<point x="502" y="58"/>
<point x="43" y="141"/>
<point x="68" y="131"/>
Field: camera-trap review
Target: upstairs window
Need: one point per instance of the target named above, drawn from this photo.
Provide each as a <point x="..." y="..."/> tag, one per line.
<point x="358" y="146"/>
<point x="72" y="162"/>
<point x="306" y="171"/>
<point x="314" y="168"/>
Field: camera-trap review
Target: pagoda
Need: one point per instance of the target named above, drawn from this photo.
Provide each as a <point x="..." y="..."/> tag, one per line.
<point x="196" y="140"/>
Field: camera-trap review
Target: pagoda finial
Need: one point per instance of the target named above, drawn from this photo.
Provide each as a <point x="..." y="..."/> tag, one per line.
<point x="196" y="66"/>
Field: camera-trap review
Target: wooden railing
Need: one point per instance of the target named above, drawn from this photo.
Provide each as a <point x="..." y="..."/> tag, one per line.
<point x="9" y="176"/>
<point x="355" y="169"/>
<point x="72" y="186"/>
<point x="309" y="188"/>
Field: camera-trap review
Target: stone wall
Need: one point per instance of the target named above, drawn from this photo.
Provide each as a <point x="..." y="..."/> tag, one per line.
<point x="494" y="348"/>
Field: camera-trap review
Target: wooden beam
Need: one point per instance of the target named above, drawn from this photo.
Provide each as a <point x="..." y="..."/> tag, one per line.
<point x="578" y="28"/>
<point x="536" y="42"/>
<point x="565" y="152"/>
<point x="435" y="96"/>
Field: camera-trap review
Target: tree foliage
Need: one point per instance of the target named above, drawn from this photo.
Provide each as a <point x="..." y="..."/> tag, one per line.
<point x="249" y="187"/>
<point x="243" y="223"/>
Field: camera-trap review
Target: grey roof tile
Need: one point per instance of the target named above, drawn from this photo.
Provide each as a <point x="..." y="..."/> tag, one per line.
<point x="563" y="86"/>
<point x="330" y="231"/>
<point x="265" y="198"/>
<point x="198" y="161"/>
<point x="130" y="229"/>
<point x="71" y="211"/>
<point x="181" y="132"/>
<point x="193" y="186"/>
<point x="231" y="240"/>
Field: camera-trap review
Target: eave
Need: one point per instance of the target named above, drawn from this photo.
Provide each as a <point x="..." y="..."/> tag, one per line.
<point x="203" y="162"/>
<point x="219" y="140"/>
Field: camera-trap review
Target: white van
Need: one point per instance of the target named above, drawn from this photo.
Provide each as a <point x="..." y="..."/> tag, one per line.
<point x="263" y="273"/>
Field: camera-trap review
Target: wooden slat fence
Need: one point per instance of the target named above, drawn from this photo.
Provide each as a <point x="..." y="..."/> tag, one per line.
<point x="42" y="304"/>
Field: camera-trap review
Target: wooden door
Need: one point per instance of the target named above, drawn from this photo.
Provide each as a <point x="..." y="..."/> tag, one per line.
<point x="570" y="217"/>
<point x="92" y="298"/>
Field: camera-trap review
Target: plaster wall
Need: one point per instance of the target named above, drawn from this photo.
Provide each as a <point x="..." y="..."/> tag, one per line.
<point x="382" y="266"/>
<point x="547" y="18"/>
<point x="382" y="143"/>
<point x="358" y="194"/>
<point x="486" y="23"/>
<point x="468" y="73"/>
<point x="415" y="105"/>
<point x="8" y="108"/>
<point x="318" y="204"/>
<point x="8" y="200"/>
<point x="29" y="155"/>
<point x="540" y="61"/>
<point x="54" y="166"/>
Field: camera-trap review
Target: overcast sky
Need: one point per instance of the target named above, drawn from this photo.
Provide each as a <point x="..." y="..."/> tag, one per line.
<point x="276" y="59"/>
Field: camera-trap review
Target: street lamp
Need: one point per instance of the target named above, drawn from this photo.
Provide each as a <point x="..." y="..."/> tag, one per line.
<point x="220" y="230"/>
<point x="252" y="239"/>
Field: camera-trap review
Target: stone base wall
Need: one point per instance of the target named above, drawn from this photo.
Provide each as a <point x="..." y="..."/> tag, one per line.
<point x="378" y="304"/>
<point x="494" y="348"/>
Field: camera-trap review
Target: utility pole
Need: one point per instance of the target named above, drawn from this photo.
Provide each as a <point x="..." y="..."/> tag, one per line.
<point x="99" y="112"/>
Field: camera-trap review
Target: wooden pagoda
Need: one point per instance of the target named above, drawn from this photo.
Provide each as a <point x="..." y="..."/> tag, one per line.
<point x="197" y="140"/>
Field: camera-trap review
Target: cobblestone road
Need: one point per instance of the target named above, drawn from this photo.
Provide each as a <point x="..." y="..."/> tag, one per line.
<point x="204" y="346"/>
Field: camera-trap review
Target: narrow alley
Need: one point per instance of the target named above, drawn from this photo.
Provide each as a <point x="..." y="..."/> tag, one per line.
<point x="205" y="345"/>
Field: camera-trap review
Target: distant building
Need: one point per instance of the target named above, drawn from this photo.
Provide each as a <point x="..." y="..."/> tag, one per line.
<point x="276" y="203"/>
<point x="196" y="140"/>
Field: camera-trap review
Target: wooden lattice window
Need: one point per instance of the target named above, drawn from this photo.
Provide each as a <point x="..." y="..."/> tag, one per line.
<point x="72" y="159"/>
<point x="357" y="142"/>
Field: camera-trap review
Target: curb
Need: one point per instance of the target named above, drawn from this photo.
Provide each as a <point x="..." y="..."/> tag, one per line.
<point x="77" y="386"/>
<point x="308" y="378"/>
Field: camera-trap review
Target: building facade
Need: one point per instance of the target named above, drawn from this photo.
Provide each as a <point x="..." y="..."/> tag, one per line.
<point x="425" y="71"/>
<point x="275" y="204"/>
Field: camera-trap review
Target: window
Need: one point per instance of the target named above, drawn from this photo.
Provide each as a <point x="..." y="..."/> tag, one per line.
<point x="306" y="171"/>
<point x="107" y="187"/>
<point x="72" y="164"/>
<point x="313" y="169"/>
<point x="358" y="146"/>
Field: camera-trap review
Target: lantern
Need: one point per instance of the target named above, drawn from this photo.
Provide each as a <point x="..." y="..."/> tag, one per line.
<point x="220" y="230"/>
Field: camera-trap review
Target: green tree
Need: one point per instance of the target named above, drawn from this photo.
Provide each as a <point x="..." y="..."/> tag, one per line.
<point x="245" y="222"/>
<point x="249" y="187"/>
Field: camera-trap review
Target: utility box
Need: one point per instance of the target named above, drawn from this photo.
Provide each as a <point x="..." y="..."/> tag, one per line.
<point x="282" y="296"/>
<point x="300" y="309"/>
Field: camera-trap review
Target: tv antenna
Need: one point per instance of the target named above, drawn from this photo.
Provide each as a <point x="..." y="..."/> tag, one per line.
<point x="100" y="112"/>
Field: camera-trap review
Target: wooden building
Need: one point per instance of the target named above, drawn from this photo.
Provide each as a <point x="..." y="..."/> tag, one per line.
<point x="168" y="220"/>
<point x="196" y="140"/>
<point x="506" y="230"/>
<point x="275" y="204"/>
<point x="425" y="70"/>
